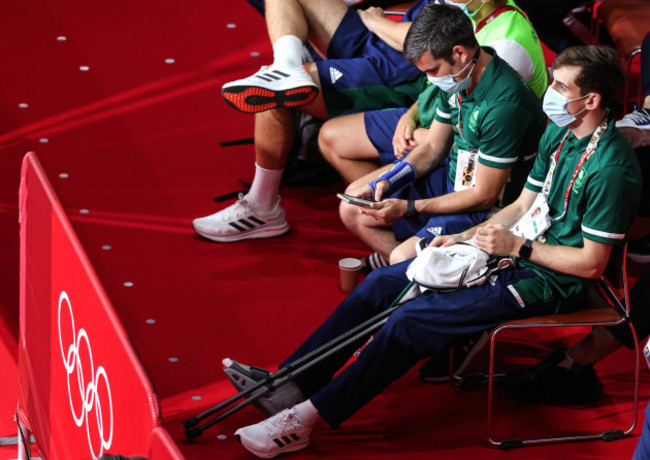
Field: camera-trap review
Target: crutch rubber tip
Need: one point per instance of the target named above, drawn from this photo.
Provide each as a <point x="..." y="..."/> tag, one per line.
<point x="193" y="433"/>
<point x="190" y="422"/>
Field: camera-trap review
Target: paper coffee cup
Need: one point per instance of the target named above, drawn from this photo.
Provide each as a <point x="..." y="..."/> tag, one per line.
<point x="350" y="269"/>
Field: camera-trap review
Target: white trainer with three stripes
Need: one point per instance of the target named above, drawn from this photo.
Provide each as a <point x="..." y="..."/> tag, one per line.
<point x="242" y="221"/>
<point x="271" y="88"/>
<point x="282" y="433"/>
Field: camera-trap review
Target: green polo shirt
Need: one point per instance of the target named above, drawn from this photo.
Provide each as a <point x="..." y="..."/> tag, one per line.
<point x="501" y="118"/>
<point x="516" y="42"/>
<point x="602" y="204"/>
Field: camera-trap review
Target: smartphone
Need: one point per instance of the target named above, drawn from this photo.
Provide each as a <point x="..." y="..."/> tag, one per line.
<point x="354" y="200"/>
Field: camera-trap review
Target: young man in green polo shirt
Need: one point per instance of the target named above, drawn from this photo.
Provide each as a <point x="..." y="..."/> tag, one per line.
<point x="492" y="118"/>
<point x="588" y="177"/>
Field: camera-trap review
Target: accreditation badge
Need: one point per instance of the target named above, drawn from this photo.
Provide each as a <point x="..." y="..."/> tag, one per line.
<point x="466" y="163"/>
<point x="535" y="222"/>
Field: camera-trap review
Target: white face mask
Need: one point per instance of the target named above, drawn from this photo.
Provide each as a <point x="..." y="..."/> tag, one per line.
<point x="448" y="84"/>
<point x="555" y="107"/>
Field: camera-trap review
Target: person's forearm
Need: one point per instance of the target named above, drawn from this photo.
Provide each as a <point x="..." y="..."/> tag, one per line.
<point x="393" y="33"/>
<point x="581" y="262"/>
<point x="506" y="217"/>
<point x="424" y="159"/>
<point x="493" y="237"/>
<point x="464" y="201"/>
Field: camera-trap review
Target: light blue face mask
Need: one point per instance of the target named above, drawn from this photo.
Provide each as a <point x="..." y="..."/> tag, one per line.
<point x="555" y="107"/>
<point x="448" y="84"/>
<point x="463" y="6"/>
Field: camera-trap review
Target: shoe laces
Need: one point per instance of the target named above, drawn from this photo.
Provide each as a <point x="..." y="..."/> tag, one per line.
<point x="287" y="420"/>
<point x="240" y="208"/>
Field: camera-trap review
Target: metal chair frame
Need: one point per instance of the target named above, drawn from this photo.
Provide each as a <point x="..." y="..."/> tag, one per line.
<point x="610" y="312"/>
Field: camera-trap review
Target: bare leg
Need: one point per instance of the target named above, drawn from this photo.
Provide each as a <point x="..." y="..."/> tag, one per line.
<point x="596" y="346"/>
<point x="316" y="20"/>
<point x="345" y="144"/>
<point x="274" y="135"/>
<point x="405" y="251"/>
<point x="275" y="129"/>
<point x="372" y="232"/>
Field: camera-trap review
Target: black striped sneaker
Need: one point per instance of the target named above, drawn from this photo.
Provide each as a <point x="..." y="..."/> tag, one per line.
<point x="271" y="88"/>
<point x="242" y="221"/>
<point x="282" y="433"/>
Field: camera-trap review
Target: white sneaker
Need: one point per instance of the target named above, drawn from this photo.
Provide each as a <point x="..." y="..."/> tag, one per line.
<point x="277" y="435"/>
<point x="242" y="221"/>
<point x="270" y="88"/>
<point x="635" y="126"/>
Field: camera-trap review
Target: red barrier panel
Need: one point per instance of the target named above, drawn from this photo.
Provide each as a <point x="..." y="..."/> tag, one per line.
<point x="82" y="389"/>
<point x="161" y="446"/>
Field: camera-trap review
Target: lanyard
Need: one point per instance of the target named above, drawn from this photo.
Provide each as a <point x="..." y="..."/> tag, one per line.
<point x="493" y="16"/>
<point x="460" y="120"/>
<point x="591" y="147"/>
<point x="459" y="99"/>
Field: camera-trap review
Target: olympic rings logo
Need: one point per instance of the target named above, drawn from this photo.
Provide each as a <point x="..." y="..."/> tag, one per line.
<point x="88" y="390"/>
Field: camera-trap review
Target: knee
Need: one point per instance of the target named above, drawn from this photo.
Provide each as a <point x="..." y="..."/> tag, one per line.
<point x="327" y="142"/>
<point x="399" y="328"/>
<point x="356" y="184"/>
<point x="405" y="251"/>
<point x="399" y="254"/>
<point x="349" y="215"/>
<point x="327" y="145"/>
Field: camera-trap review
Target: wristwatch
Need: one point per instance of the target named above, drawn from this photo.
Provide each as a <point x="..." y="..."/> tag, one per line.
<point x="411" y="213"/>
<point x="526" y="249"/>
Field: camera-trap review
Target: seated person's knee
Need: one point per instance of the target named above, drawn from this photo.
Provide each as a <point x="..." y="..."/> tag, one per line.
<point x="348" y="213"/>
<point x="327" y="141"/>
<point x="399" y="254"/>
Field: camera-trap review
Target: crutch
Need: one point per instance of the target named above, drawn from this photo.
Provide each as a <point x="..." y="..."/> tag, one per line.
<point x="283" y="375"/>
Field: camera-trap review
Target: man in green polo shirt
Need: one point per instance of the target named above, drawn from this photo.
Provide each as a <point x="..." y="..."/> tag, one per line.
<point x="391" y="134"/>
<point x="587" y="182"/>
<point x="492" y="118"/>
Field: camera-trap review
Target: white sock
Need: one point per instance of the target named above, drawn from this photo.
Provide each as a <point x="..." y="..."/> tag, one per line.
<point x="265" y="188"/>
<point x="287" y="51"/>
<point x="308" y="413"/>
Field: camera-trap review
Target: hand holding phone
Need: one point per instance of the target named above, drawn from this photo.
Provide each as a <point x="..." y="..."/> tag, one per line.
<point x="354" y="200"/>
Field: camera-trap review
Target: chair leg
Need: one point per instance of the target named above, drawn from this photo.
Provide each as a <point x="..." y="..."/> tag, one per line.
<point x="491" y="388"/>
<point x="511" y="443"/>
<point x="24" y="442"/>
<point x="635" y="401"/>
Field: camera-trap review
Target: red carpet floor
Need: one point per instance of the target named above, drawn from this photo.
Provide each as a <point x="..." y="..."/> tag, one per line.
<point x="121" y="103"/>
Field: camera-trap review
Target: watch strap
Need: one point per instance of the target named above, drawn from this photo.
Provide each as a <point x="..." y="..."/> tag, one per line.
<point x="526" y="249"/>
<point x="411" y="212"/>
